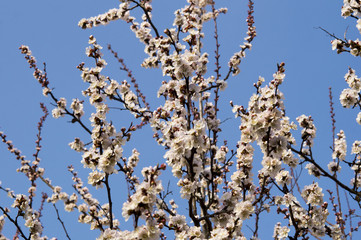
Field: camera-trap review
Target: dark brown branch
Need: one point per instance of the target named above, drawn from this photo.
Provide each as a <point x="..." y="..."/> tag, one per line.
<point x="61" y="222"/>
<point x="15" y="222"/>
<point x="331" y="34"/>
<point x="109" y="200"/>
<point x="147" y="16"/>
<point x="326" y="174"/>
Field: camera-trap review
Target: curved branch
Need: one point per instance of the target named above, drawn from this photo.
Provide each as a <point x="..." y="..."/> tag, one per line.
<point x="326" y="174"/>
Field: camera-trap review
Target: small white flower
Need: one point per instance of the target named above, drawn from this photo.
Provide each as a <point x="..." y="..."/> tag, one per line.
<point x="283" y="178"/>
<point x="356" y="147"/>
<point x="244" y="209"/>
<point x="334" y="167"/>
<point x="348" y="97"/>
<point x="313" y="194"/>
<point x="57" y="113"/>
<point x="358" y="118"/>
<point x="358" y="25"/>
<point x="340" y="147"/>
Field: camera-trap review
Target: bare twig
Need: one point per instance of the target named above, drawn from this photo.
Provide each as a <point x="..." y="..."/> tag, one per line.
<point x="61" y="221"/>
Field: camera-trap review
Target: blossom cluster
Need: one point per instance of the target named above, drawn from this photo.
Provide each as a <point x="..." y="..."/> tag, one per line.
<point x="350" y="8"/>
<point x="217" y="180"/>
<point x="102" y="19"/>
<point x="349" y="97"/>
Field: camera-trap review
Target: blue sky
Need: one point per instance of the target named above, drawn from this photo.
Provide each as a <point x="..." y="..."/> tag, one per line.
<point x="287" y="31"/>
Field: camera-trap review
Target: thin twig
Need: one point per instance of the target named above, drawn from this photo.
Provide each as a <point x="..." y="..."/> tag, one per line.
<point x="333" y="120"/>
<point x="130" y="75"/>
<point x="61" y="222"/>
<point x="326" y="174"/>
<point x="350" y="213"/>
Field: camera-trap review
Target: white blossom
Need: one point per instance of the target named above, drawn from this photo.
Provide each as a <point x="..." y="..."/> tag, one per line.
<point x="313" y="194"/>
<point x="348" y="97"/>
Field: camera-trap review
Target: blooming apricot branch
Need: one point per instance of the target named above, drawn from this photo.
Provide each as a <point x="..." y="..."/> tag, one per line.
<point x="222" y="187"/>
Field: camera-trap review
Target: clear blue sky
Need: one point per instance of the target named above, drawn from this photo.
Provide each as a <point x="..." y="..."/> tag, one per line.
<point x="286" y="32"/>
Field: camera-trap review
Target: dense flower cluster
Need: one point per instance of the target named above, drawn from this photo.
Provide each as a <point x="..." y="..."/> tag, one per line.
<point x="350" y="8"/>
<point x="216" y="180"/>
